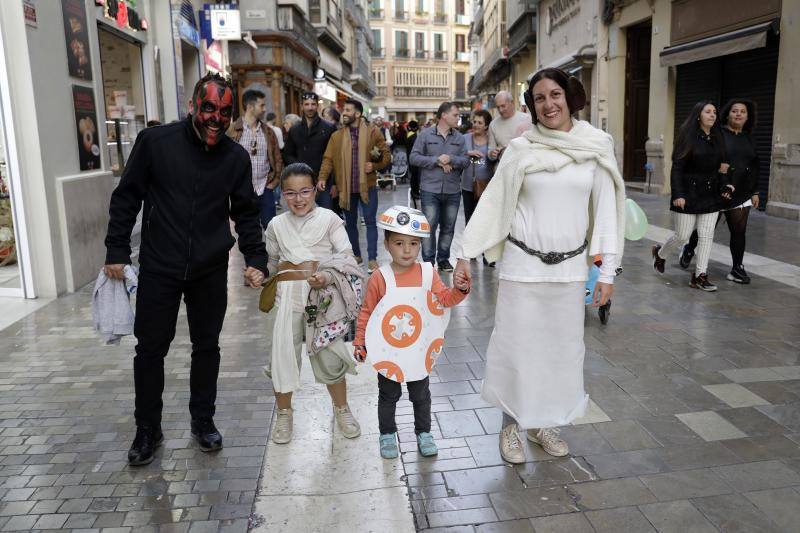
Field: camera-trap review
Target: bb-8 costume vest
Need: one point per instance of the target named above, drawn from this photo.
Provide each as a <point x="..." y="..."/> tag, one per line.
<point x="405" y="332"/>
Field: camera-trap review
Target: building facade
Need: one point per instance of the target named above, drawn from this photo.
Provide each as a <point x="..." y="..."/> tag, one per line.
<point x="491" y="70"/>
<point x="420" y="56"/>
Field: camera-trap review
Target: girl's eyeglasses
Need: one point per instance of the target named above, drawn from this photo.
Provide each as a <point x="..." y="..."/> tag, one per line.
<point x="253" y="147"/>
<point x="302" y="193"/>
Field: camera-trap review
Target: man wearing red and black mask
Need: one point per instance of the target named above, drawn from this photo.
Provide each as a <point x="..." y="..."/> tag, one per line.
<point x="192" y="179"/>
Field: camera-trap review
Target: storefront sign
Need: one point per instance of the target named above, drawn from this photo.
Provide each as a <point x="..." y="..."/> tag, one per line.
<point x="188" y="33"/>
<point x="86" y="127"/>
<point x="559" y="12"/>
<point x="325" y="90"/>
<point x="77" y="38"/>
<point x="123" y="12"/>
<point x="29" y="8"/>
<point x="225" y="23"/>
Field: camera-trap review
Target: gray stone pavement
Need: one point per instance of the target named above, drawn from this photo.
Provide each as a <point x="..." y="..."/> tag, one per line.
<point x="694" y="423"/>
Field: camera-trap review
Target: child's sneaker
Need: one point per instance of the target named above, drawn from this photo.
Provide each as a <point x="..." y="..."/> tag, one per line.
<point x="388" y="444"/>
<point x="426" y="445"/>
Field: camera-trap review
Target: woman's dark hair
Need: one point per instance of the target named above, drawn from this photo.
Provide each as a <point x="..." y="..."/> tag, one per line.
<point x="484" y="114"/>
<point x="298" y="169"/>
<point x="444" y="107"/>
<point x="574" y="92"/>
<point x="751" y="113"/>
<point x="691" y="128"/>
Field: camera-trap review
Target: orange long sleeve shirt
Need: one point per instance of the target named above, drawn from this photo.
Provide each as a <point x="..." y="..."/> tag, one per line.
<point x="376" y="289"/>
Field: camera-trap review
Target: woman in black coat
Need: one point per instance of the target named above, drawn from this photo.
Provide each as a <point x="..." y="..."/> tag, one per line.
<point x="698" y="164"/>
<point x="739" y="117"/>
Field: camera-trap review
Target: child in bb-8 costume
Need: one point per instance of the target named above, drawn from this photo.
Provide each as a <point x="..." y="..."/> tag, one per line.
<point x="401" y="326"/>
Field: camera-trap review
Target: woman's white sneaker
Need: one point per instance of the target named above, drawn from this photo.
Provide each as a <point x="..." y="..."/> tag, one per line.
<point x="282" y="432"/>
<point x="346" y="421"/>
<point x="511" y="446"/>
<point x="549" y="440"/>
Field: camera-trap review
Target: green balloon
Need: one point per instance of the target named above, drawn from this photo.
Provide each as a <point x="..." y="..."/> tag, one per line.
<point x="635" y="221"/>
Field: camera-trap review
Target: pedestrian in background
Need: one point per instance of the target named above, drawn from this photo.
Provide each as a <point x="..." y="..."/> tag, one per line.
<point x="260" y="141"/>
<point x="697" y="178"/>
<point x="441" y="155"/>
<point x="557" y="199"/>
<point x="476" y="176"/>
<point x="193" y="180"/>
<point x="289" y="121"/>
<point x="353" y="155"/>
<point x="509" y="125"/>
<point x="307" y="141"/>
<point x="413" y="170"/>
<point x="271" y="118"/>
<point x="332" y="115"/>
<point x="739" y="118"/>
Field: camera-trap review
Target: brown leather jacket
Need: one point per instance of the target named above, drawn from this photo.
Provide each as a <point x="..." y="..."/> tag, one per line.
<point x="273" y="151"/>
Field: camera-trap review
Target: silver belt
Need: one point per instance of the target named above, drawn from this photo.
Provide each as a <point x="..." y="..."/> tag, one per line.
<point x="549" y="258"/>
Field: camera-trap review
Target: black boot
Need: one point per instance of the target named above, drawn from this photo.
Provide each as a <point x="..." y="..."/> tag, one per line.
<point x="144" y="446"/>
<point x="206" y="434"/>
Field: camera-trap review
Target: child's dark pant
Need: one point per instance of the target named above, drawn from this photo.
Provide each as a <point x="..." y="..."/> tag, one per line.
<point x="389" y="393"/>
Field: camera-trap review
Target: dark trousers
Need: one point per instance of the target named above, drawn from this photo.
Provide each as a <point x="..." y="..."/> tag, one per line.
<point x="266" y="204"/>
<point x="389" y="393"/>
<point x="370" y="211"/>
<point x="157" y="302"/>
<point x="737" y="225"/>
<point x="469" y="204"/>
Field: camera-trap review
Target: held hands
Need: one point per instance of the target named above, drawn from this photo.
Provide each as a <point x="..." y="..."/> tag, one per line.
<point x="461" y="281"/>
<point x="680" y="203"/>
<point x="253" y="277"/>
<point x="360" y="353"/>
<point x="114" y="272"/>
<point x="462" y="270"/>
<point x="602" y="293"/>
<point x="723" y="168"/>
<point x="727" y="193"/>
<point x="318" y="280"/>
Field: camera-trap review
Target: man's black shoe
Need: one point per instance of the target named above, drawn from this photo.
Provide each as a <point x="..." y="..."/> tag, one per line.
<point x="686" y="256"/>
<point x="206" y="434"/>
<point x="144" y="445"/>
<point x="445" y="266"/>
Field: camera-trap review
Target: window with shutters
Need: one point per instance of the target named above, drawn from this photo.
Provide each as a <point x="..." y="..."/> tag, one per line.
<point x="400" y="43"/>
<point x="460" y="7"/>
<point x="461" y="43"/>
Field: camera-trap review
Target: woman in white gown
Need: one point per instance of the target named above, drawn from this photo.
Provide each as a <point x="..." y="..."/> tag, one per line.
<point x="556" y="201"/>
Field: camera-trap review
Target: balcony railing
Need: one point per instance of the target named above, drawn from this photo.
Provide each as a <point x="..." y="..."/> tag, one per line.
<point x="462" y="20"/>
<point x="440" y="55"/>
<point x="377" y="52"/>
<point x="440" y="18"/>
<point x="420" y="54"/>
<point x="422" y="92"/>
<point x="401" y="52"/>
<point x="462" y="56"/>
<point x="290" y="18"/>
<point x="401" y="15"/>
<point x="375" y="14"/>
<point x="380" y="91"/>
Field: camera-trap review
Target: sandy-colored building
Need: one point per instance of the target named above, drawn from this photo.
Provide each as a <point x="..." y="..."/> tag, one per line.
<point x="420" y="56"/>
<point x="491" y="68"/>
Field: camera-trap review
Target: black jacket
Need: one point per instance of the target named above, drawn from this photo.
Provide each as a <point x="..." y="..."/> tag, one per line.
<point x="307" y="145"/>
<point x="190" y="193"/>
<point x="741" y="154"/>
<point x="695" y="175"/>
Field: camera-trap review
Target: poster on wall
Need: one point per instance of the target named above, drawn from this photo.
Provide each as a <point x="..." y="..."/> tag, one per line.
<point x="86" y="126"/>
<point x="76" y="35"/>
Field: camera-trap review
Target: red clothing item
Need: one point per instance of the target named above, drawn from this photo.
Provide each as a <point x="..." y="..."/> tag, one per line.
<point x="376" y="288"/>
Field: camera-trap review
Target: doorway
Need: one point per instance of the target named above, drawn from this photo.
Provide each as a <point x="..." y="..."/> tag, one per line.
<point x="637" y="100"/>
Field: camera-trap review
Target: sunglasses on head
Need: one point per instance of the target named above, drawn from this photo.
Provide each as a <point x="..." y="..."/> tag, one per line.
<point x="254" y="147"/>
<point x="309" y="96"/>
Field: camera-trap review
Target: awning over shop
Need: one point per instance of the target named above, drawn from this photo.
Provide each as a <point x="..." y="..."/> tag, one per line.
<point x="719" y="45"/>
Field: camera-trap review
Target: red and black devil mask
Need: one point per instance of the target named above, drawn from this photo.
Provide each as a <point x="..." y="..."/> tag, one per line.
<point x="213" y="107"/>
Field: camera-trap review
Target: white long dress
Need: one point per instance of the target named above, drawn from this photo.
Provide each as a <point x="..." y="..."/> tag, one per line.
<point x="534" y="362"/>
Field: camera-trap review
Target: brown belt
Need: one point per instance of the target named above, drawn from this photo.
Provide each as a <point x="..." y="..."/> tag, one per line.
<point x="302" y="271"/>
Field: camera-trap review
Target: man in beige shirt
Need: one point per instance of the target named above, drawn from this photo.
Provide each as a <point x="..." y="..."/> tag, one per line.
<point x="510" y="124"/>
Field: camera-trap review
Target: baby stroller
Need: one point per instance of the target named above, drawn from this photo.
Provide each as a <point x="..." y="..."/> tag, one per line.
<point x="397" y="171"/>
<point x="604" y="311"/>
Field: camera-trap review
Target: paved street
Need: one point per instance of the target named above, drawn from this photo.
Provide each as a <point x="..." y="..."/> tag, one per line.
<point x="694" y="422"/>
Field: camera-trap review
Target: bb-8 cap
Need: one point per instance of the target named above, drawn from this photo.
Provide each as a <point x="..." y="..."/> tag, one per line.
<point x="401" y="219"/>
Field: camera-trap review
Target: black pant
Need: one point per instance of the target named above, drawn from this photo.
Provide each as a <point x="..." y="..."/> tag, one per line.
<point x="469" y="204"/>
<point x="737" y="225"/>
<point x="157" y="302"/>
<point x="390" y="391"/>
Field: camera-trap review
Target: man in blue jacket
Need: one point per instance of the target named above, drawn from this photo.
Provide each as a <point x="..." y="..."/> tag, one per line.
<point x="192" y="179"/>
<point x="440" y="154"/>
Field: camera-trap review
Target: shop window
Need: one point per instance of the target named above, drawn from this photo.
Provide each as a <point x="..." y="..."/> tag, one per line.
<point x="123" y="91"/>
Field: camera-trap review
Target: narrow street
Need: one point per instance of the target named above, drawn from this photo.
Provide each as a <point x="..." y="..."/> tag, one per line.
<point x="694" y="422"/>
